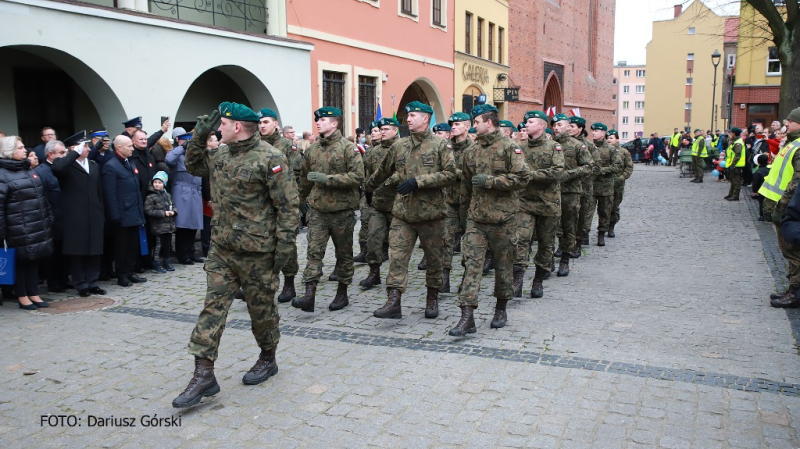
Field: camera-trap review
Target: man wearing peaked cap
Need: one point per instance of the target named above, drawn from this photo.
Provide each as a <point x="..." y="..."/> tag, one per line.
<point x="492" y="174"/>
<point x="135" y="124"/>
<point x="442" y="130"/>
<point x="255" y="206"/>
<point x="97" y="136"/>
<point x="331" y="174"/>
<point x="421" y="165"/>
<point x="607" y="167"/>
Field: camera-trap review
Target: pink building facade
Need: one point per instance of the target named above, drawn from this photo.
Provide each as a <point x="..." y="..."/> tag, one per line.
<point x="371" y="53"/>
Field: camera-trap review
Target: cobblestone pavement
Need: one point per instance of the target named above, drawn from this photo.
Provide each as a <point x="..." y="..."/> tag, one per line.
<point x="663" y="338"/>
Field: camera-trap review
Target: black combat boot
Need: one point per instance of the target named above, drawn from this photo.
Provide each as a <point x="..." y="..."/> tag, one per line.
<point x="787" y="301"/>
<point x="203" y="384"/>
<point x="333" y="278"/>
<point x="288" y="293"/>
<point x="265" y="367"/>
<point x="601" y="238"/>
<point x="577" y="253"/>
<point x="239" y="294"/>
<point x="457" y="244"/>
<point x="558" y="253"/>
<point x="500" y="318"/>
<point x="519" y="276"/>
<point x="306" y="302"/>
<point x="445" y="288"/>
<point x="361" y="257"/>
<point x="585" y="240"/>
<point x="779" y="295"/>
<point x="423" y="264"/>
<point x="466" y="325"/>
<point x="563" y="266"/>
<point x="611" y="234"/>
<point x="488" y="263"/>
<point x="392" y="307"/>
<point x="374" y="276"/>
<point x="432" y="303"/>
<point x="385" y="252"/>
<point x="537" y="287"/>
<point x="340" y="301"/>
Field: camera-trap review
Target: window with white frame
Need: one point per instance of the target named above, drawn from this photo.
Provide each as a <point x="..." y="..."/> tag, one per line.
<point x="626" y="73"/>
<point x="688" y="106"/>
<point x="624" y="120"/>
<point x="638" y="120"/>
<point x="626" y="89"/>
<point x="408" y="8"/>
<point x="639" y="105"/>
<point x="626" y="104"/>
<point x="731" y="60"/>
<point x="690" y="57"/>
<point x="439" y="13"/>
<point x="640" y="89"/>
<point x="624" y="134"/>
<point x="640" y="74"/>
<point x="691" y="30"/>
<point x="773" y="63"/>
<point x="689" y="81"/>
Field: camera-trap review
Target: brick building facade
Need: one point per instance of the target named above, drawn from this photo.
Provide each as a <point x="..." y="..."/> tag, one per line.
<point x="554" y="66"/>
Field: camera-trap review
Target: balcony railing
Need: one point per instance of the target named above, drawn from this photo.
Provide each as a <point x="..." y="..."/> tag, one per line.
<point x="238" y="15"/>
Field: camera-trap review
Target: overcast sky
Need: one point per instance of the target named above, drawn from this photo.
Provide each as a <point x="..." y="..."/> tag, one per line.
<point x="634" y="24"/>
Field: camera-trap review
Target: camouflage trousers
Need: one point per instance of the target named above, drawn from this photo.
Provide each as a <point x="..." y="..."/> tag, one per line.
<point x="339" y="227"/>
<point x="501" y="238"/>
<point x="570" y="207"/>
<point x="585" y="217"/>
<point x="402" y="237"/>
<point x="605" y="206"/>
<point x="292" y="267"/>
<point x="452" y="226"/>
<point x="226" y="271"/>
<point x="540" y="228"/>
<point x="697" y="167"/>
<point x="619" y="194"/>
<point x="735" y="176"/>
<point x="790" y="251"/>
<point x="366" y="212"/>
<point x="379" y="223"/>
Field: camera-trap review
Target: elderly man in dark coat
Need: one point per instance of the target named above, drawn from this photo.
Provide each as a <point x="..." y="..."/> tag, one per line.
<point x="55" y="267"/>
<point x="82" y="189"/>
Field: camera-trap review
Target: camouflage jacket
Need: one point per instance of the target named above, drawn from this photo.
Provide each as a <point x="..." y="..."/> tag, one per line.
<point x="608" y="166"/>
<point x="253" y="195"/>
<point x="453" y="193"/>
<point x="341" y="160"/>
<point x="577" y="163"/>
<point x="383" y="197"/>
<point x="427" y="158"/>
<point x="289" y="150"/>
<point x="546" y="162"/>
<point x="626" y="164"/>
<point x="587" y="181"/>
<point x="502" y="159"/>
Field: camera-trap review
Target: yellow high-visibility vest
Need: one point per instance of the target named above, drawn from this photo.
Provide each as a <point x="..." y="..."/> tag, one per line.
<point x="695" y="146"/>
<point x="781" y="173"/>
<point x="676" y="140"/>
<point x="730" y="154"/>
<point x="715" y="141"/>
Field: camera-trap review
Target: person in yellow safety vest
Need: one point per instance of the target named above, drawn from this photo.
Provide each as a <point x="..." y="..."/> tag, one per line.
<point x="699" y="153"/>
<point x="734" y="162"/>
<point x="674" y="145"/>
<point x="778" y="189"/>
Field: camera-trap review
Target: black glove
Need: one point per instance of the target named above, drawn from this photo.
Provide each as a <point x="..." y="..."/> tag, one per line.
<point x="368" y="197"/>
<point x="407" y="186"/>
<point x="206" y="124"/>
<point x="304" y="208"/>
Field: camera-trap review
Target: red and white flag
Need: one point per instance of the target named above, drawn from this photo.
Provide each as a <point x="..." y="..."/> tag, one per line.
<point x="551" y="111"/>
<point x="576" y="112"/>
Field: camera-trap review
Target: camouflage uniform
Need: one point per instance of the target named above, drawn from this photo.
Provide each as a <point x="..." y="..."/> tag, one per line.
<point x="419" y="213"/>
<point x="491" y="213"/>
<point x="289" y="150"/>
<point x="577" y="163"/>
<point x="332" y="204"/>
<point x="382" y="202"/>
<point x="540" y="203"/>
<point x="586" y="213"/>
<point x="453" y="199"/>
<point x="255" y="214"/>
<point x="607" y="167"/>
<point x="626" y="163"/>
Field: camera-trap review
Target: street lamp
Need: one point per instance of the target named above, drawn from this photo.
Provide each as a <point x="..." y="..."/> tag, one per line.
<point x="715" y="57"/>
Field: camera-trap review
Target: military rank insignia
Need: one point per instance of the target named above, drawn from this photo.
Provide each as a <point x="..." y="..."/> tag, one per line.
<point x="276" y="169"/>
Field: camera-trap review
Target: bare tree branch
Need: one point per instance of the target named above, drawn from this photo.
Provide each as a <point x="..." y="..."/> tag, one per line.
<point x="773" y="16"/>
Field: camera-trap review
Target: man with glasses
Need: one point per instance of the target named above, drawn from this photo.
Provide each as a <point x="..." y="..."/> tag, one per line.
<point x="47" y="135"/>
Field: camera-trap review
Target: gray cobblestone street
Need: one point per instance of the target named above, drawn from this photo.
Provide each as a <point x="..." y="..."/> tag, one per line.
<point x="663" y="338"/>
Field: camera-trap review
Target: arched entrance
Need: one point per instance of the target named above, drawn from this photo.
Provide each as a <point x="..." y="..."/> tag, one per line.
<point x="552" y="93"/>
<point x="423" y="91"/>
<point x="43" y="86"/>
<point x="222" y="83"/>
<point x="470" y="98"/>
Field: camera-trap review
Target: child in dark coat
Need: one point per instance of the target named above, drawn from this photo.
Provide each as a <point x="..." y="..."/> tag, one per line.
<point x="161" y="211"/>
<point x="758" y="180"/>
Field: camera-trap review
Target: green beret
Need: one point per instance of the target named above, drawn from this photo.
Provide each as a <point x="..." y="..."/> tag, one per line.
<point x="506" y="124"/>
<point x="238" y="112"/>
<point x="548" y="131"/>
<point x="599" y="127"/>
<point x="580" y="121"/>
<point x="416" y="106"/>
<point x="736" y="131"/>
<point x="459" y="117"/>
<point x="473" y="131"/>
<point x="613" y="132"/>
<point x="373" y="125"/>
<point x="794" y="115"/>
<point x="558" y="118"/>
<point x="521" y="126"/>
<point x="327" y="111"/>
<point x="483" y="109"/>
<point x="698" y="130"/>
<point x="535" y="114"/>
<point x="442" y="127"/>
<point x="388" y="122"/>
<point x="267" y="112"/>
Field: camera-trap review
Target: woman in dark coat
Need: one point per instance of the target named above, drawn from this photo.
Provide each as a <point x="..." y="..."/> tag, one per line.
<point x="25" y="219"/>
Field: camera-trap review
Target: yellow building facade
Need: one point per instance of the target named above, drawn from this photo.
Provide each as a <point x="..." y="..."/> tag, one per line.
<point x="680" y="73"/>
<point x="481" y="54"/>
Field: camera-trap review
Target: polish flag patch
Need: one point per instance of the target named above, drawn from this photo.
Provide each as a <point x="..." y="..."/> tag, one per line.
<point x="276" y="169"/>
<point x="517" y="150"/>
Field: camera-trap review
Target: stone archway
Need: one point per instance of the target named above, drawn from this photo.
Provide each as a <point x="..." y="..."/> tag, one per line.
<point x="219" y="84"/>
<point x="424" y="91"/>
<point x="49" y="87"/>
<point x="552" y="93"/>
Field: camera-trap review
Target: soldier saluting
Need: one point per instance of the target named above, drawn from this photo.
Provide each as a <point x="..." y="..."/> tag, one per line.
<point x="255" y="202"/>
